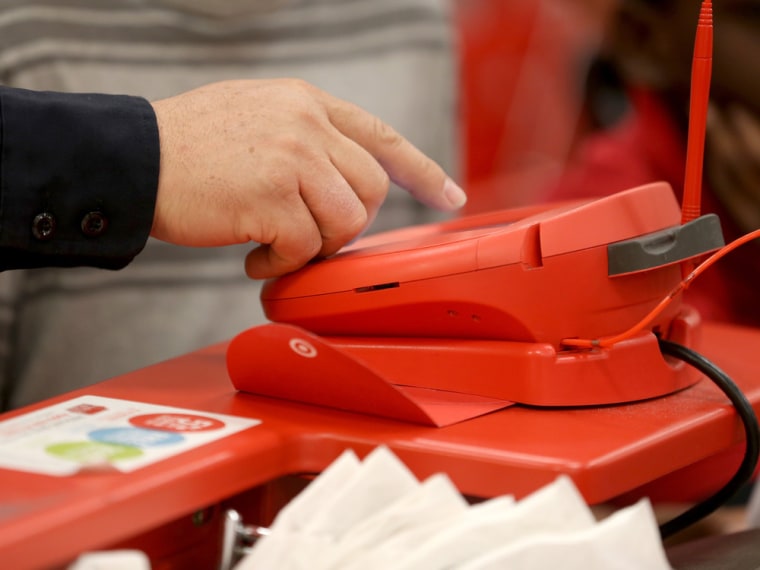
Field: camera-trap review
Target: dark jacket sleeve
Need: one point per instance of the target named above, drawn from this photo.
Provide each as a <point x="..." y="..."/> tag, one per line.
<point x="78" y="178"/>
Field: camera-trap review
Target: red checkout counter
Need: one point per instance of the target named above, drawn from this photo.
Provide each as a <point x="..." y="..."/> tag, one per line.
<point x="676" y="447"/>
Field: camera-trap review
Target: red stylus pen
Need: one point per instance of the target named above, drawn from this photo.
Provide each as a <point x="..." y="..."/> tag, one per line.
<point x="701" y="72"/>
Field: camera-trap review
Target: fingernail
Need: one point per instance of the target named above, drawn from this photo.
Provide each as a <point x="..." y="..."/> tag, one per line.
<point x="454" y="194"/>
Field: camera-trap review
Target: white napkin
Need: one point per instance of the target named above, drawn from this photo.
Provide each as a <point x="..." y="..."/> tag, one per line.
<point x="317" y="493"/>
<point x="374" y="515"/>
<point x="435" y="500"/>
<point x="556" y="507"/>
<point x="317" y="519"/>
<point x="380" y="480"/>
<point x="387" y="553"/>
<point x="626" y="540"/>
<point x="112" y="560"/>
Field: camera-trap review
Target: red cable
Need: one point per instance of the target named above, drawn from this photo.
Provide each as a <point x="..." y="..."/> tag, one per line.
<point x="608" y="341"/>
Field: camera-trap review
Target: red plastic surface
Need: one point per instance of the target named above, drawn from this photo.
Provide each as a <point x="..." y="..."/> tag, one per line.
<point x="455" y="379"/>
<point x="286" y="362"/>
<point x="607" y="451"/>
<point x="491" y="296"/>
<point x="525" y="275"/>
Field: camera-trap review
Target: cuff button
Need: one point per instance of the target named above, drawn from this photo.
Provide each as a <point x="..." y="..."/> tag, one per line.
<point x="94" y="224"/>
<point x="43" y="226"/>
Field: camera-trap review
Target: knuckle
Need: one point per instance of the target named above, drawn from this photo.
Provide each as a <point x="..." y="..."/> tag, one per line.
<point x="280" y="183"/>
<point x="294" y="147"/>
<point x="384" y="133"/>
<point x="306" y="247"/>
<point x="299" y="85"/>
<point x="346" y="222"/>
<point x="304" y="92"/>
<point x="350" y="218"/>
<point x="312" y="245"/>
<point x="307" y="240"/>
<point x="376" y="191"/>
<point x="381" y="182"/>
<point x="425" y="167"/>
<point x="308" y="114"/>
<point x="356" y="224"/>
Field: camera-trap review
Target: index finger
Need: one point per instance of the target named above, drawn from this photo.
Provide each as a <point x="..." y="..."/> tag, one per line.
<point x="405" y="164"/>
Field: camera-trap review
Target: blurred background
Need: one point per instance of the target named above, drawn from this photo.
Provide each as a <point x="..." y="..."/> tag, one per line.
<point x="523" y="66"/>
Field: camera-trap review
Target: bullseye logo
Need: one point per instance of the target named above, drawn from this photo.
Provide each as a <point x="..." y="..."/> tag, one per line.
<point x="302" y="348"/>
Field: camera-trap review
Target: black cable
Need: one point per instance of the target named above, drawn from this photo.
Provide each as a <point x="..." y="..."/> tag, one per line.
<point x="752" y="437"/>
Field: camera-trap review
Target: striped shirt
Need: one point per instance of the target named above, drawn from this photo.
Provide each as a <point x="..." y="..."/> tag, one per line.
<point x="62" y="329"/>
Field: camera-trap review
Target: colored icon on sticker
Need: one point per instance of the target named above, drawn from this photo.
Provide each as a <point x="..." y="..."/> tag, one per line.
<point x="88" y="409"/>
<point x="135" y="437"/>
<point x="92" y="452"/>
<point x="176" y="422"/>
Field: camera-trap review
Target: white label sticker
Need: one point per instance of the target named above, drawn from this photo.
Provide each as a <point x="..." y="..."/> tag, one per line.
<point x="92" y="433"/>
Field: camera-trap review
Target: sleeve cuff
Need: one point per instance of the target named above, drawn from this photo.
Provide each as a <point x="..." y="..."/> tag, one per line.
<point x="78" y="178"/>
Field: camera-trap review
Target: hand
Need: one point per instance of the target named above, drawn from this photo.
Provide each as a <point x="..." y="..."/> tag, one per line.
<point x="733" y="163"/>
<point x="283" y="164"/>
